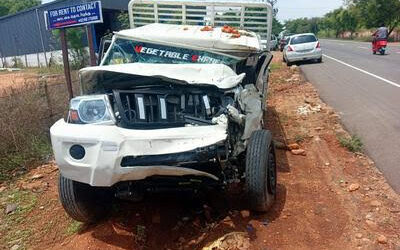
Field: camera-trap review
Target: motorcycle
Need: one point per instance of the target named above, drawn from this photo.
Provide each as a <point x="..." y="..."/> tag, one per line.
<point x="379" y="46"/>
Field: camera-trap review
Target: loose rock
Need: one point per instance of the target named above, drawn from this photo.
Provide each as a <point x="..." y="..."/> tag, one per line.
<point x="245" y="213"/>
<point x="294" y="146"/>
<point x="382" y="239"/>
<point x="376" y="203"/>
<point x="299" y="152"/>
<point x="36" y="176"/>
<point x="15" y="247"/>
<point x="10" y="208"/>
<point x="358" y="235"/>
<point x="228" y="221"/>
<point x="354" y="187"/>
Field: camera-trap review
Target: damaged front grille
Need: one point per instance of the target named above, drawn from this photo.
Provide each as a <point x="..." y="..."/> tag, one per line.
<point x="151" y="108"/>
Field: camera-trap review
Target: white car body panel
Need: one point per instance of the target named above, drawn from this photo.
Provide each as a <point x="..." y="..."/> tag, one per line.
<point x="106" y="145"/>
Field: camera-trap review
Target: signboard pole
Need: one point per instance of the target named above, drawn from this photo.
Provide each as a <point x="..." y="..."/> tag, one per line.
<point x="91" y="47"/>
<point x="67" y="72"/>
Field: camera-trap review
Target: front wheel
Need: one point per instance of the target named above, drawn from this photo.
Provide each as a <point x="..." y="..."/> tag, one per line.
<point x="83" y="202"/>
<point x="261" y="174"/>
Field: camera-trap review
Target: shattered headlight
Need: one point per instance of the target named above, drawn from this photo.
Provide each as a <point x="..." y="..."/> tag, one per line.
<point x="94" y="109"/>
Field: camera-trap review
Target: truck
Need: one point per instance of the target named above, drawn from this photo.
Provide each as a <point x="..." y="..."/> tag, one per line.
<point x="177" y="102"/>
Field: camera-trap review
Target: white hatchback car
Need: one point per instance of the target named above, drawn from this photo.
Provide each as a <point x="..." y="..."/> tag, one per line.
<point x="302" y="47"/>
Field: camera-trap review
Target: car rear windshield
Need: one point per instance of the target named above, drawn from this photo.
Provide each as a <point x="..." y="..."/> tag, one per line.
<point x="303" y="39"/>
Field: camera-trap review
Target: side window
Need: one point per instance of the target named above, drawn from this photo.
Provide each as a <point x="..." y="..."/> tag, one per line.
<point x="120" y="53"/>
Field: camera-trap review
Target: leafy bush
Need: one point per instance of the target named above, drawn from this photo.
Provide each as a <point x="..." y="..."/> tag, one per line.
<point x="25" y="117"/>
<point x="353" y="143"/>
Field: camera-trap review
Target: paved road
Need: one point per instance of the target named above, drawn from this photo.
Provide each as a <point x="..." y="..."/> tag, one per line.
<point x="365" y="89"/>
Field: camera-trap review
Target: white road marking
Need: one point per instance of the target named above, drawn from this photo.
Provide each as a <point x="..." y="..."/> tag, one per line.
<point x="364" y="71"/>
<point x="363" y="47"/>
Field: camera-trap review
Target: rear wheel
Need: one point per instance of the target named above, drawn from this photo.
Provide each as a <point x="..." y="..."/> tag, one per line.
<point x="83" y="202"/>
<point x="261" y="175"/>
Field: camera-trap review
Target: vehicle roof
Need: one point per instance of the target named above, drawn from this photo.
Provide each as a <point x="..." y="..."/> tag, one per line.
<point x="193" y="37"/>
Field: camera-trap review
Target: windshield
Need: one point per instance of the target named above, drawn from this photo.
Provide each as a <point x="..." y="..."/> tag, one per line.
<point x="128" y="51"/>
<point x="303" y="39"/>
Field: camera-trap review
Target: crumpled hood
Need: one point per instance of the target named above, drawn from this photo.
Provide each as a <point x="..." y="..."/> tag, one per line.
<point x="113" y="76"/>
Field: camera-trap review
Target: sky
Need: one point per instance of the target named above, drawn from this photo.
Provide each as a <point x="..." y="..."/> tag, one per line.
<point x="292" y="9"/>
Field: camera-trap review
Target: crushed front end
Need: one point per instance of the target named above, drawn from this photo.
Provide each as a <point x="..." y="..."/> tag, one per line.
<point x="142" y="127"/>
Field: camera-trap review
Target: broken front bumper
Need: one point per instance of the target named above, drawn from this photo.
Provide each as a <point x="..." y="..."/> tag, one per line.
<point x="110" y="152"/>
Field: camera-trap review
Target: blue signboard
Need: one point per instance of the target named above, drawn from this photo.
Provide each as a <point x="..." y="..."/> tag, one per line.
<point x="81" y="14"/>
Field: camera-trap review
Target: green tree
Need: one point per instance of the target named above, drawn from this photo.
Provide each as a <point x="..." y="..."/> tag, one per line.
<point x="334" y="21"/>
<point x="349" y="19"/>
<point x="8" y="7"/>
<point x="277" y="26"/>
<point x="379" y="12"/>
<point x="75" y="45"/>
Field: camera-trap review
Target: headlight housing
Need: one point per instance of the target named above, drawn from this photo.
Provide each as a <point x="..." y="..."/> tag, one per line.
<point x="95" y="109"/>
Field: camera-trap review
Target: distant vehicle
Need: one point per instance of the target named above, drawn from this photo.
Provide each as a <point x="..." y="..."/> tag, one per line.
<point x="273" y="44"/>
<point x="284" y="41"/>
<point x="302" y="47"/>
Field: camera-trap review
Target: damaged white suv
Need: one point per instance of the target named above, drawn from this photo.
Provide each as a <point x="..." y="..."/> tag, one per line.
<point x="171" y="106"/>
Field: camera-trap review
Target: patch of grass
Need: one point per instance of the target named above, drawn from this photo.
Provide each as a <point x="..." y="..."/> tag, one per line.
<point x="15" y="226"/>
<point x="275" y="66"/>
<point x="54" y="69"/>
<point x="353" y="143"/>
<point x="73" y="227"/>
<point x="14" y="163"/>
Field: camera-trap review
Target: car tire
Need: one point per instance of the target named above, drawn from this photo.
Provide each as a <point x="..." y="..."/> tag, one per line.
<point x="319" y="60"/>
<point x="83" y="202"/>
<point x="261" y="174"/>
<point x="288" y="63"/>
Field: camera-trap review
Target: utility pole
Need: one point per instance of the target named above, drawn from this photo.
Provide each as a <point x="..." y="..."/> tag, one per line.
<point x="67" y="71"/>
<point x="89" y="33"/>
